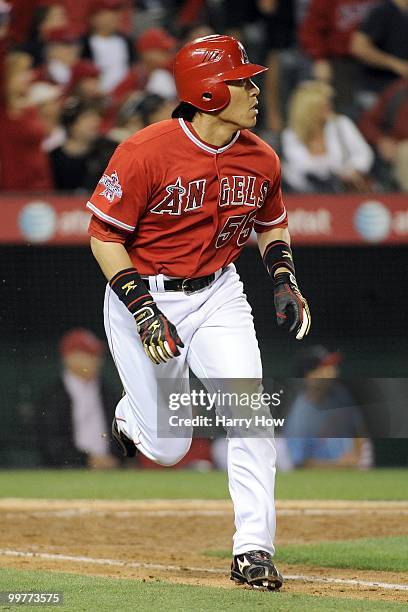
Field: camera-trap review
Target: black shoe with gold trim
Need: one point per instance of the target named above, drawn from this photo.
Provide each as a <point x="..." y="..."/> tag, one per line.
<point x="256" y="569"/>
<point x="126" y="445"/>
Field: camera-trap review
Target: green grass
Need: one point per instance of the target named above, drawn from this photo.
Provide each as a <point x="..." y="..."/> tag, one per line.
<point x="380" y="484"/>
<point x="88" y="594"/>
<point x="382" y="554"/>
<point x="84" y="593"/>
<point x="127" y="484"/>
<point x="384" y="484"/>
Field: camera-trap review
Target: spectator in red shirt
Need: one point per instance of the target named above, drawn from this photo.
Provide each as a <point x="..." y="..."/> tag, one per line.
<point x="385" y="126"/>
<point x="85" y="82"/>
<point x="156" y="49"/>
<point x="79" y="12"/>
<point x="79" y="78"/>
<point x="22" y="18"/>
<point x="153" y="72"/>
<point x="23" y="164"/>
<point x="61" y="54"/>
<point x="325" y="36"/>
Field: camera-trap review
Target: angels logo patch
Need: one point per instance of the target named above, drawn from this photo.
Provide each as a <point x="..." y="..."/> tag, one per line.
<point x="113" y="188"/>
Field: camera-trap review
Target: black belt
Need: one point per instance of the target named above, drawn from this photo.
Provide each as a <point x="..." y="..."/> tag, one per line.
<point x="188" y="285"/>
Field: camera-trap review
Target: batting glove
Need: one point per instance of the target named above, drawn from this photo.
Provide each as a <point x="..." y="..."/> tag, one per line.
<point x="292" y="309"/>
<point x="159" y="337"/>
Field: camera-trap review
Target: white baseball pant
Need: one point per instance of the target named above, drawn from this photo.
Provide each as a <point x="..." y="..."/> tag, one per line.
<point x="216" y="326"/>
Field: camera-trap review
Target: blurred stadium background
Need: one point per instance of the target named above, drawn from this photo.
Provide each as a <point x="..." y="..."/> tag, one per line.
<point x="350" y="241"/>
<point x="76" y="78"/>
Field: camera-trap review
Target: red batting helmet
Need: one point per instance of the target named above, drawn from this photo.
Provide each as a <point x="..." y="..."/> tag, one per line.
<point x="202" y="66"/>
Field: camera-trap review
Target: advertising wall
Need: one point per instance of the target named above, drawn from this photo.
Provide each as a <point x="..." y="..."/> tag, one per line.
<point x="314" y="219"/>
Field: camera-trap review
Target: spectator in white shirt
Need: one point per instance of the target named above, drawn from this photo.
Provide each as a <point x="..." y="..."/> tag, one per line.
<point x="106" y="46"/>
<point x="323" y="151"/>
<point x="74" y="411"/>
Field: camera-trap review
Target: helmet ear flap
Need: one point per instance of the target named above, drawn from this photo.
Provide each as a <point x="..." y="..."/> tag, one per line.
<point x="214" y="97"/>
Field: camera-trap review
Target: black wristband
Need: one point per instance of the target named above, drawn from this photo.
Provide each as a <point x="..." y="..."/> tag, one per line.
<point x="278" y="254"/>
<point x="286" y="277"/>
<point x="130" y="289"/>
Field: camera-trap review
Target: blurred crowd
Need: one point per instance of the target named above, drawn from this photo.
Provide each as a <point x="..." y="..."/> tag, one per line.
<point x="327" y="424"/>
<point x="79" y="77"/>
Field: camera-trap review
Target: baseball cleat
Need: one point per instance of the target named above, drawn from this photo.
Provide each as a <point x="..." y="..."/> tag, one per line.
<point x="256" y="569"/>
<point x="127" y="447"/>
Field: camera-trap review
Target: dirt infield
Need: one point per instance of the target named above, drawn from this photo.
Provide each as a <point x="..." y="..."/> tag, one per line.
<point x="165" y="540"/>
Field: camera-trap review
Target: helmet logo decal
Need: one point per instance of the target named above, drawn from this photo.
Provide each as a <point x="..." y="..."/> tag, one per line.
<point x="211" y="56"/>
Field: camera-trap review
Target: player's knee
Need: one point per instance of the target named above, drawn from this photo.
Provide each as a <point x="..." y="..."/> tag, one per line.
<point x="249" y="370"/>
<point x="171" y="456"/>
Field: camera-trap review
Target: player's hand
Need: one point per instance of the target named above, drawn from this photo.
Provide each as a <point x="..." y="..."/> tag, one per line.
<point x="159" y="337"/>
<point x="292" y="310"/>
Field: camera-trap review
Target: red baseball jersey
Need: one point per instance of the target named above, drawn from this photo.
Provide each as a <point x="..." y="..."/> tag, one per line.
<point x="188" y="207"/>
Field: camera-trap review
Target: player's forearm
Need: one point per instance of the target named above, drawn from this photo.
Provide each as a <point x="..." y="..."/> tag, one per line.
<point x="112" y="257"/>
<point x="279" y="233"/>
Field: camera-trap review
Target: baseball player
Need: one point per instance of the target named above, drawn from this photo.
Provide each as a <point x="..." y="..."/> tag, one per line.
<point x="170" y="215"/>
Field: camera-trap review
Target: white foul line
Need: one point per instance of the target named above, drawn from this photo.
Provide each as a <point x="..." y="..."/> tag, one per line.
<point x="178" y="568"/>
<point x="74" y="512"/>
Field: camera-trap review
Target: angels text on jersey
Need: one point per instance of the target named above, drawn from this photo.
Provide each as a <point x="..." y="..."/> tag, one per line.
<point x="233" y="191"/>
